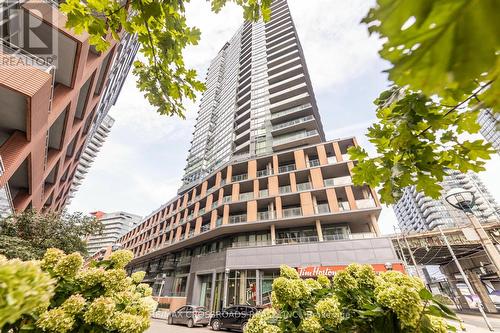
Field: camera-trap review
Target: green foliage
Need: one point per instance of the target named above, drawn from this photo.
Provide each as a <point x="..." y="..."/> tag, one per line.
<point x="59" y="295"/>
<point x="358" y="300"/>
<point x="163" y="35"/>
<point x="29" y="234"/>
<point x="417" y="139"/>
<point x="445" y="55"/>
<point x="24" y="288"/>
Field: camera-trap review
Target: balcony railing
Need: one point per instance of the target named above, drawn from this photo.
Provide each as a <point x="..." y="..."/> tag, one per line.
<point x="201" y="211"/>
<point x="237" y="178"/>
<point x="303" y="186"/>
<point x="362" y="235"/>
<point x="218" y="222"/>
<point x="295" y="240"/>
<point x="313" y="163"/>
<point x="251" y="243"/>
<point x="338" y="181"/>
<point x="226" y="199"/>
<point x="366" y="203"/>
<point x="323" y="208"/>
<point x="294" y="136"/>
<point x="285" y="189"/>
<point x="331" y="159"/>
<point x="344" y="205"/>
<point x="265" y="172"/>
<point x="269" y="215"/>
<point x="335" y="237"/>
<point x="293" y="122"/>
<point x="263" y="193"/>
<point x="292" y="110"/>
<point x="246" y="196"/>
<point x="291" y="212"/>
<point x="205" y="228"/>
<point x="237" y="218"/>
<point x="286" y="168"/>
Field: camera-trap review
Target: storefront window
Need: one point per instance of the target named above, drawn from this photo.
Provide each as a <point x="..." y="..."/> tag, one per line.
<point x="205" y="289"/>
<point x="242" y="288"/>
<point x="219" y="286"/>
<point x="179" y="288"/>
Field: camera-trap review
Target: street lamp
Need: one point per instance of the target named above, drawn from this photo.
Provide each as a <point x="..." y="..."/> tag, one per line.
<point x="461" y="199"/>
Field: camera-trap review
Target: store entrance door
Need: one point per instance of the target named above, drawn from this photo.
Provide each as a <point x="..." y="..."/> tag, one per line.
<point x="205" y="290"/>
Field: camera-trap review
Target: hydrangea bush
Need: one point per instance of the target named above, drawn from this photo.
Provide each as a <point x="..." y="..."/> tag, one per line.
<point x="60" y="295"/>
<point x="357" y="300"/>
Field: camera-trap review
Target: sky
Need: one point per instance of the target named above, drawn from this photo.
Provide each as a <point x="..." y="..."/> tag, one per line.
<point x="141" y="164"/>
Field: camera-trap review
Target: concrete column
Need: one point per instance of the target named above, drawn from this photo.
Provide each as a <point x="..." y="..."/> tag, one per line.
<point x="481" y="291"/>
<point x="273" y="234"/>
<point x="258" y="298"/>
<point x="226" y="286"/>
<point x="374" y="225"/>
<point x="319" y="230"/>
<point x="212" y="291"/>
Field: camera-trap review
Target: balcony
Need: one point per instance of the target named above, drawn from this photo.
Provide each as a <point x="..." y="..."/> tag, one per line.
<point x="241" y="177"/>
<point x="281" y="115"/>
<point x="265" y="172"/>
<point x="205" y="228"/>
<point x="218" y="222"/>
<point x="246" y="196"/>
<point x="313" y="163"/>
<point x="285" y="189"/>
<point x="331" y="159"/>
<point x="263" y="216"/>
<point x="304" y="186"/>
<point x="292" y="212"/>
<point x="263" y="193"/>
<point x="344" y="206"/>
<point x="338" y="181"/>
<point x="234" y="219"/>
<point x="322" y="209"/>
<point x="366" y="203"/>
<point x="296" y="240"/>
<point x="290" y="140"/>
<point x="304" y="123"/>
<point x="286" y="168"/>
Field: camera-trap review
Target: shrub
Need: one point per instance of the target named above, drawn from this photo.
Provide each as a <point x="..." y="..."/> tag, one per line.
<point x="357" y="300"/>
<point x="59" y="295"/>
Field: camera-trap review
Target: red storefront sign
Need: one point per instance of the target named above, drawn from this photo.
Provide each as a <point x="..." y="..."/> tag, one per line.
<point x="313" y="271"/>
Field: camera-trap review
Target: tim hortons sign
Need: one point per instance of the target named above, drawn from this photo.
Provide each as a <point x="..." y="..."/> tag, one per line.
<point x="313" y="271"/>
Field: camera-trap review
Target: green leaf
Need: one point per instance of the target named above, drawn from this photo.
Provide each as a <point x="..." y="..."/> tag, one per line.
<point x="425" y="294"/>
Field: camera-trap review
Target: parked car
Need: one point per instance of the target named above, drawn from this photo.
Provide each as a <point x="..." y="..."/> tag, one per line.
<point x="190" y="315"/>
<point x="233" y="317"/>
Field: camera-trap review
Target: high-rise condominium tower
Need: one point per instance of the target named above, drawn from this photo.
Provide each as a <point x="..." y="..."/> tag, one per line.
<point x="51" y="85"/>
<point x="251" y="85"/>
<point x="416" y="212"/>
<point x="490" y="127"/>
<point x="262" y="186"/>
<point x="115" y="225"/>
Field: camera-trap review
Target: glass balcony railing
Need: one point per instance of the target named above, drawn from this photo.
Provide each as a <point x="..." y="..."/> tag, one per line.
<point x="238" y="178"/>
<point x="215" y="204"/>
<point x="246" y="196"/>
<point x="201" y="211"/>
<point x="292" y="212"/>
<point x="366" y="203"/>
<point x="226" y="199"/>
<point x="218" y="222"/>
<point x="313" y="163"/>
<point x="285" y="189"/>
<point x="292" y="122"/>
<point x="335" y="237"/>
<point x="286" y="168"/>
<point x="292" y="110"/>
<point x="293" y="136"/>
<point x="331" y="159"/>
<point x="237" y="218"/>
<point x="346" y="157"/>
<point x="265" y="172"/>
<point x="338" y="181"/>
<point x="205" y="228"/>
<point x="304" y="186"/>
<point x="296" y="240"/>
<point x="322" y="208"/>
<point x="263" y="193"/>
<point x="344" y="205"/>
<point x="269" y="215"/>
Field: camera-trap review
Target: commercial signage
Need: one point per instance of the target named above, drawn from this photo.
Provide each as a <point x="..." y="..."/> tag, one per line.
<point x="313" y="271"/>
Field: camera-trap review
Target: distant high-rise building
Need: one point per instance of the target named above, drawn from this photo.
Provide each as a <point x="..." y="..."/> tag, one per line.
<point x="262" y="186"/>
<point x="417" y="212"/>
<point x="52" y="82"/>
<point x="490" y="127"/>
<point x="90" y="152"/>
<point x="115" y="225"/>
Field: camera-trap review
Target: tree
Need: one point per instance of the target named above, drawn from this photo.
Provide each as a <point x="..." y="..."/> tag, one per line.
<point x="356" y="300"/>
<point x="29" y="234"/>
<point x="59" y="295"/>
<point x="445" y="64"/>
<point x="163" y="35"/>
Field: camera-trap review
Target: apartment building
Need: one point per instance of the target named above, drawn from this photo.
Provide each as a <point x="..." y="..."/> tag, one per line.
<point x="262" y="186"/>
<point x="115" y="225"/>
<point x="417" y="212"/>
<point x="51" y="84"/>
<point x="490" y="127"/>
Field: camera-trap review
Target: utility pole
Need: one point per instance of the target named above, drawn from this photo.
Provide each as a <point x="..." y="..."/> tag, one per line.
<point x="466" y="279"/>
<point x="412" y="257"/>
